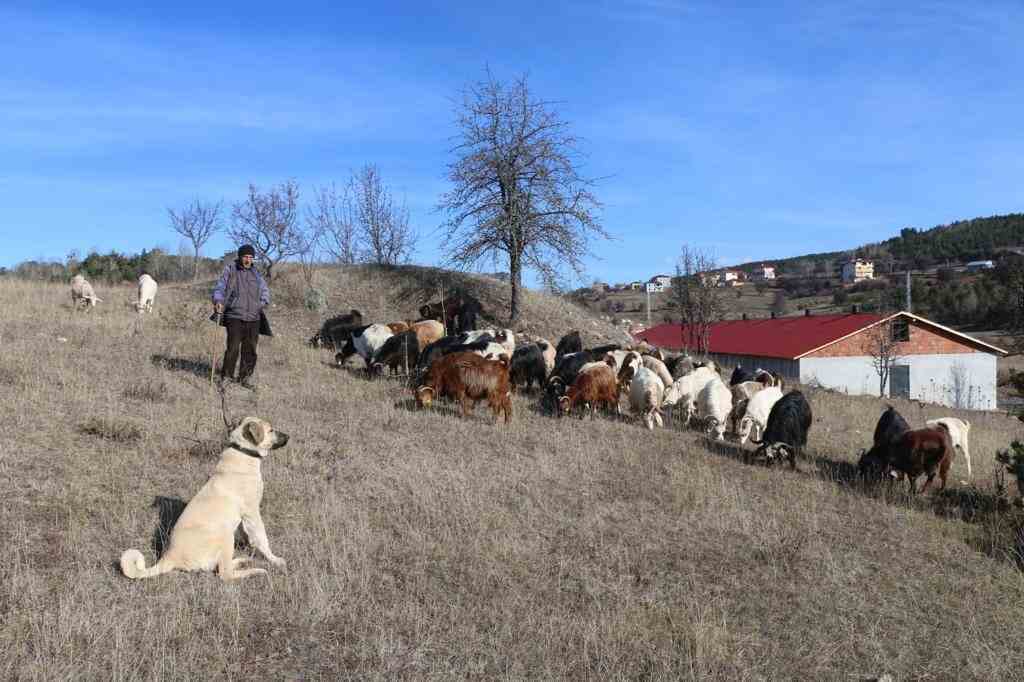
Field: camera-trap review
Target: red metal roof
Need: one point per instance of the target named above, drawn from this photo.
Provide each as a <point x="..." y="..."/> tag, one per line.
<point x="782" y="337"/>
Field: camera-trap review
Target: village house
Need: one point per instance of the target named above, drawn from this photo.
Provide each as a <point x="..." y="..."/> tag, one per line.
<point x="857" y="270"/>
<point x="763" y="273"/>
<point x="636" y="286"/>
<point x="729" y="278"/>
<point x="658" y="283"/>
<point x="928" y="361"/>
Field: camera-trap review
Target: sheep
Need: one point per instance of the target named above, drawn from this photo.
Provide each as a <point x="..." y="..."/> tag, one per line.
<point x="81" y="290"/>
<point x="714" y="402"/>
<point x="147" y="294"/>
<point x="646" y="391"/>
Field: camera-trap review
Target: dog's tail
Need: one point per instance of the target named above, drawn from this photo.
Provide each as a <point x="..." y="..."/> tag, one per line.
<point x="133" y="565"/>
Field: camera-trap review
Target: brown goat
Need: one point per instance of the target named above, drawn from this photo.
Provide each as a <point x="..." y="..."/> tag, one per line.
<point x="922" y="451"/>
<point x="427" y="331"/>
<point x="595" y="385"/>
<point x="468" y="378"/>
<point x="398" y="327"/>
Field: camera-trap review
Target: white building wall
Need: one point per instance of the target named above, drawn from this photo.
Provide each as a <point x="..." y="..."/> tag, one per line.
<point x="966" y="380"/>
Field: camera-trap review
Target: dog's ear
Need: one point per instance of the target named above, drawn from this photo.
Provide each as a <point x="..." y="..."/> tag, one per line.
<point x="254" y="432"/>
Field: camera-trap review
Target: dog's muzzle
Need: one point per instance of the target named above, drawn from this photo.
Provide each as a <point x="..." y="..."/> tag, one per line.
<point x="280" y="440"/>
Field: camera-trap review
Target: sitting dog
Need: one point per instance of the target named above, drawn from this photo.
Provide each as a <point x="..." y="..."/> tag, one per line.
<point x="203" y="539"/>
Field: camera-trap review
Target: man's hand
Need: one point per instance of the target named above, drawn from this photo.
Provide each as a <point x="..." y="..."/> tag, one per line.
<point x="218" y="308"/>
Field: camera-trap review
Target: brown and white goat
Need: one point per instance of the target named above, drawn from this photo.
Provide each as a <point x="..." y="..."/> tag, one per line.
<point x="595" y="385"/>
<point x="468" y="379"/>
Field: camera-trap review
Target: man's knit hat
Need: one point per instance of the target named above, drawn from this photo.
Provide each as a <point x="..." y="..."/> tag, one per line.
<point x="246" y="250"/>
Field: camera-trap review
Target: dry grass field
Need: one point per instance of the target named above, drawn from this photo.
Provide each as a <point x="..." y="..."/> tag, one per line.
<point x="424" y="546"/>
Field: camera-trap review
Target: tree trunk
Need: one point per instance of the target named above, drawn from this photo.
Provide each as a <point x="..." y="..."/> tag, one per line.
<point x="195" y="264"/>
<point x="515" y="272"/>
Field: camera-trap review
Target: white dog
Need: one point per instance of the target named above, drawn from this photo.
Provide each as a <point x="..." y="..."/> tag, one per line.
<point x="203" y="539"/>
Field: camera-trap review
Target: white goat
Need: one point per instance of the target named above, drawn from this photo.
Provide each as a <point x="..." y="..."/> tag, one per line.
<point x="658" y="367"/>
<point x="686" y="388"/>
<point x="81" y="290"/>
<point x="646" y="391"/>
<point x="147" y="294"/>
<point x="754" y="420"/>
<point x="959" y="430"/>
<point x="714" y="403"/>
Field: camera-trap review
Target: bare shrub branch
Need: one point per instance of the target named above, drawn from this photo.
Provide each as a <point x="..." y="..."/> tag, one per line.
<point x="269" y="221"/>
<point x="695" y="299"/>
<point x="333" y="218"/>
<point x="382" y="226"/>
<point x="197" y="222"/>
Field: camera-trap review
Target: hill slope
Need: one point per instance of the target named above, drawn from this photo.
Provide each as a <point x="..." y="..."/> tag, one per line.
<point x="423" y="545"/>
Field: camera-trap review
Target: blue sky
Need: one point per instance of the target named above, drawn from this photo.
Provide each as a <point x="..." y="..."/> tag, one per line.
<point x="750" y="132"/>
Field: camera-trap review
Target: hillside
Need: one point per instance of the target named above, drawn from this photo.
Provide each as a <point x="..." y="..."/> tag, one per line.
<point x="387" y="294"/>
<point x="425" y="546"/>
<point x="958" y="242"/>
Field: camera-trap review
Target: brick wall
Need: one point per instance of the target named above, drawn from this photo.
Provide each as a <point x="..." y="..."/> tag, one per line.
<point x="923" y="341"/>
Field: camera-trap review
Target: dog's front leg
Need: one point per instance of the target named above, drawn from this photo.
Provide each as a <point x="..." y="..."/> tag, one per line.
<point x="253" y="526"/>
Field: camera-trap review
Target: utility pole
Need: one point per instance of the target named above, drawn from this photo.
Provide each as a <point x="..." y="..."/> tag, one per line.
<point x="908" y="291"/>
<point x="648" y="288"/>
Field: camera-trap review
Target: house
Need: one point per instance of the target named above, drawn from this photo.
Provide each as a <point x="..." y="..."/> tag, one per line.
<point x="763" y="273"/>
<point x="857" y="270"/>
<point x="658" y="283"/>
<point x="728" y="278"/>
<point x="929" y="362"/>
<point x="636" y="286"/>
<point x="977" y="265"/>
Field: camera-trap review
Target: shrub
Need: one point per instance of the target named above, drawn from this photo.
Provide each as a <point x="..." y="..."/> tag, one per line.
<point x="315" y="300"/>
<point x="115" y="430"/>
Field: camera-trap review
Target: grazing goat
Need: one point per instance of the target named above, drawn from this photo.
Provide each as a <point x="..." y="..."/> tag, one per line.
<point x="548" y="351"/>
<point x="646" y="391"/>
<point x="427" y="331"/>
<point x="399" y="353"/>
<point x="686" y="388"/>
<point x="147" y="294"/>
<point x="337" y="330"/>
<point x="658" y="367"/>
<point x="714" y="402"/>
<point x="750" y="417"/>
<point x="528" y="366"/>
<point x="786" y="432"/>
<point x="468" y="379"/>
<point x="81" y="291"/>
<point x="365" y="341"/>
<point x="959" y="431"/>
<point x="594" y="386"/>
<point x="570" y="343"/>
<point x="874" y="463"/>
<point x="740" y="375"/>
<point x="922" y="451"/>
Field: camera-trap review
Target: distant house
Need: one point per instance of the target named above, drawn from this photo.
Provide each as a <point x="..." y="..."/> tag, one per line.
<point x="658" y="283"/>
<point x="636" y="286"/>
<point x="729" y="278"/>
<point x="976" y="265"/>
<point x="857" y="270"/>
<point x="931" y="362"/>
<point x="763" y="273"/>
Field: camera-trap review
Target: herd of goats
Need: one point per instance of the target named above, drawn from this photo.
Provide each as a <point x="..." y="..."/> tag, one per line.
<point x="443" y="355"/>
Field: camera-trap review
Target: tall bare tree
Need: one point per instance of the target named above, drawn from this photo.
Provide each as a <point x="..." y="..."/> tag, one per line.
<point x="269" y="221"/>
<point x="517" y="189"/>
<point x="384" y="234"/>
<point x="197" y="222"/>
<point x="695" y="298"/>
<point x="333" y="218"/>
<point x="881" y="344"/>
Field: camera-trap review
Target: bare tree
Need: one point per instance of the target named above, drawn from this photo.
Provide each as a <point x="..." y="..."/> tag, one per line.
<point x="333" y="218"/>
<point x="197" y="222"/>
<point x="881" y="344"/>
<point x="517" y="190"/>
<point x="269" y="221"/>
<point x="382" y="226"/>
<point x="695" y="299"/>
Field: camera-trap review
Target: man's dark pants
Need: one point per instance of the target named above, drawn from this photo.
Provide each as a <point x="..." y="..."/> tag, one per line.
<point x="241" y="336"/>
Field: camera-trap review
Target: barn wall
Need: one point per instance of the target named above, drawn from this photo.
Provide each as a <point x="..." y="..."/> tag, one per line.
<point x="924" y="340"/>
<point x="965" y="380"/>
<point x="790" y="369"/>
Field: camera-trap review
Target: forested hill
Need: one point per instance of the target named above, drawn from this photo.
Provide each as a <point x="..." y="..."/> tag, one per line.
<point x="960" y="241"/>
